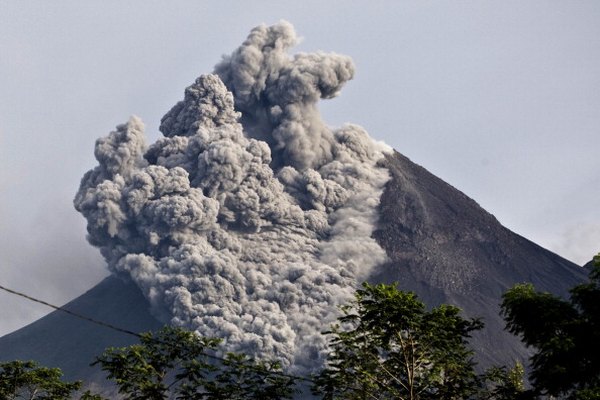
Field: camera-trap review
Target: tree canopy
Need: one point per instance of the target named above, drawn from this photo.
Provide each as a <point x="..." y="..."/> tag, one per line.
<point x="564" y="333"/>
<point x="179" y="363"/>
<point x="30" y="381"/>
<point x="388" y="345"/>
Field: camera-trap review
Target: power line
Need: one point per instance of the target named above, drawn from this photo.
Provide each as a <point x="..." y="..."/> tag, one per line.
<point x="74" y="314"/>
<point x="139" y="336"/>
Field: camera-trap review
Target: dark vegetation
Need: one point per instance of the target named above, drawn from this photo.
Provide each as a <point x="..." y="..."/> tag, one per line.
<point x="564" y="334"/>
<point x="386" y="345"/>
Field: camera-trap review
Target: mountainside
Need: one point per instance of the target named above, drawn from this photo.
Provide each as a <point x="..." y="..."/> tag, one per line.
<point x="440" y="243"/>
<point x="447" y="249"/>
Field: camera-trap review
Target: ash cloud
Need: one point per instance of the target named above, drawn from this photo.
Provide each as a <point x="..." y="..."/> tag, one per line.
<point x="278" y="94"/>
<point x="250" y="219"/>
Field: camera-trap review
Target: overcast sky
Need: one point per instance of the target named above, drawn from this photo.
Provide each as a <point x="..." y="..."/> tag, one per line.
<point x="499" y="99"/>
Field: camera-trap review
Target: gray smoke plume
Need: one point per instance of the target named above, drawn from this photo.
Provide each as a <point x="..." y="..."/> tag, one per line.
<point x="250" y="225"/>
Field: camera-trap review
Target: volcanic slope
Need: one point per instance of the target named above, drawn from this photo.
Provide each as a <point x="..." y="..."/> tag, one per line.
<point x="440" y="243"/>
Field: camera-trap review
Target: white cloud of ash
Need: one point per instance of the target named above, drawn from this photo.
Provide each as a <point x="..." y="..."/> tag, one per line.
<point x="250" y="219"/>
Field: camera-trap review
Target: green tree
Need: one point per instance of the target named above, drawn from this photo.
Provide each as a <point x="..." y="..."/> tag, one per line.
<point x="28" y="380"/>
<point x="179" y="363"/>
<point x="565" y="334"/>
<point x="387" y="345"/>
<point x="502" y="383"/>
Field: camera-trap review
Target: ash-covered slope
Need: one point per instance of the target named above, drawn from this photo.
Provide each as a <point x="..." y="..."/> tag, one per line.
<point x="445" y="247"/>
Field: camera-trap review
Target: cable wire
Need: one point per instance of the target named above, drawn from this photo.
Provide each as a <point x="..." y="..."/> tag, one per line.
<point x="126" y="331"/>
<point x="74" y="314"/>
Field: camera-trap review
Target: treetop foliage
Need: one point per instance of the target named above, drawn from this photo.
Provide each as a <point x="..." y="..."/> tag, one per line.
<point x="564" y="333"/>
<point x="180" y="364"/>
<point x="387" y="345"/>
<point x="28" y="380"/>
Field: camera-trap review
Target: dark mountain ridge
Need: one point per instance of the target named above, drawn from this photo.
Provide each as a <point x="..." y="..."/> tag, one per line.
<point x="446" y="248"/>
<point x="440" y="243"/>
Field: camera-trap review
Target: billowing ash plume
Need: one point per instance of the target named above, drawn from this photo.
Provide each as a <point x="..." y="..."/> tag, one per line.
<point x="250" y="225"/>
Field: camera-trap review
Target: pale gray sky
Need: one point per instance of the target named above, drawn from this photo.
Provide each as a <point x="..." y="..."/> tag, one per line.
<point x="500" y="99"/>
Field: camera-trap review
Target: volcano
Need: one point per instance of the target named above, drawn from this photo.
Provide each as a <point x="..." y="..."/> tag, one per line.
<point x="252" y="220"/>
<point x="440" y="244"/>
